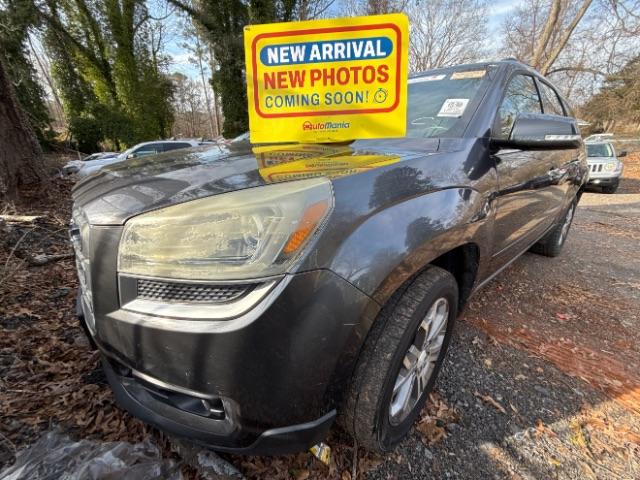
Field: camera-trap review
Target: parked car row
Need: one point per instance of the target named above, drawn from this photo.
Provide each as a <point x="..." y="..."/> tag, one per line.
<point x="97" y="161"/>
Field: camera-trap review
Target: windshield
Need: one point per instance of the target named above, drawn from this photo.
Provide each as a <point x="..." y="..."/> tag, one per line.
<point x="599" y="150"/>
<point x="441" y="102"/>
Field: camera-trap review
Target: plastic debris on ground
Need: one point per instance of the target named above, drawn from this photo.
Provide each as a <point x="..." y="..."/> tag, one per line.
<point x="56" y="457"/>
<point x="322" y="452"/>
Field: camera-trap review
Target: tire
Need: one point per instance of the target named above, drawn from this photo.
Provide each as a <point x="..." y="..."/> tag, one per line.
<point x="551" y="244"/>
<point x="611" y="189"/>
<point x="371" y="400"/>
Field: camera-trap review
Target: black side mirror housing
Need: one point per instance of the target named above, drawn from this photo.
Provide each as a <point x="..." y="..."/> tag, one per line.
<point x="623" y="153"/>
<point x="542" y="132"/>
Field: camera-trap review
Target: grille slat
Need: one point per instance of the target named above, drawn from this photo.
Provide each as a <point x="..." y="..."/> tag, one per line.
<point x="189" y="292"/>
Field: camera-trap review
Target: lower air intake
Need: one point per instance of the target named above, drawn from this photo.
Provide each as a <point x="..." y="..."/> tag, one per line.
<point x="189" y="292"/>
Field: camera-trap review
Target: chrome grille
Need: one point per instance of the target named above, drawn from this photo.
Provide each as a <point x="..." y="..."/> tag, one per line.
<point x="189" y="292"/>
<point x="596" y="167"/>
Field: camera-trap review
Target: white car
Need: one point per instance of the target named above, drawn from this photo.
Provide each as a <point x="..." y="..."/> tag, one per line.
<point x="73" y="166"/>
<point x="605" y="168"/>
<point x="139" y="150"/>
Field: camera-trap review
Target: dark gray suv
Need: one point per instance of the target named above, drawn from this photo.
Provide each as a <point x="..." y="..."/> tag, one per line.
<point x="247" y="296"/>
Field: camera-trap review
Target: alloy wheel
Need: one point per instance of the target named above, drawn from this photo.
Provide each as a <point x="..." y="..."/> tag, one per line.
<point x="419" y="361"/>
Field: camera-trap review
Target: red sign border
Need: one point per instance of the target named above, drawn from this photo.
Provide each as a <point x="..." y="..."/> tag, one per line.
<point x="254" y="65"/>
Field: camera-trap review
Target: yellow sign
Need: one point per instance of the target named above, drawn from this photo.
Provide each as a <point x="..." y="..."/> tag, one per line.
<point x="327" y="80"/>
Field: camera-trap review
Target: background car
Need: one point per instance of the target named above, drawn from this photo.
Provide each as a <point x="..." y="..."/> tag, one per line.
<point x="139" y="150"/>
<point x="605" y="169"/>
<point x="74" y="165"/>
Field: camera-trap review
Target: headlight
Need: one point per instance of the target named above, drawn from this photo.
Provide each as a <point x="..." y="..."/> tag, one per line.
<point x="249" y="233"/>
<point x="610" y="167"/>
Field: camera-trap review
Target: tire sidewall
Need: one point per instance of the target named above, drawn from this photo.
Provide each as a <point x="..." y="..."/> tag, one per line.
<point x="389" y="435"/>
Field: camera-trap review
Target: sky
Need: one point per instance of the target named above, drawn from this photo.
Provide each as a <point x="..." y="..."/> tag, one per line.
<point x="498" y="11"/>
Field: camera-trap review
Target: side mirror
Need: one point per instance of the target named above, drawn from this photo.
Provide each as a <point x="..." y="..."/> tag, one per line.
<point x="623" y="153"/>
<point x="131" y="155"/>
<point x="542" y="132"/>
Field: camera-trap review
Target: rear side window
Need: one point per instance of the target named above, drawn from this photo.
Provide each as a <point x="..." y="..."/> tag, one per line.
<point x="175" y="146"/>
<point x="521" y="96"/>
<point x="149" y="149"/>
<point x="550" y="101"/>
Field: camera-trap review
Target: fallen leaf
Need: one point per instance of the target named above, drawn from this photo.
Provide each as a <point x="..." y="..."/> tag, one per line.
<point x="430" y="430"/>
<point x="302" y="474"/>
<point x="488" y="399"/>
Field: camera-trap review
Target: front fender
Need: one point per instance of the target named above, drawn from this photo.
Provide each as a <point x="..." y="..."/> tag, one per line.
<point x="395" y="243"/>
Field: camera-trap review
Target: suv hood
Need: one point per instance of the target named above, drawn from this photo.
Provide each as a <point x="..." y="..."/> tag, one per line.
<point x="125" y="189"/>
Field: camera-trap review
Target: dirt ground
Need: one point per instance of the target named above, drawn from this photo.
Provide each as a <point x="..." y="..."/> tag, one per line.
<point x="542" y="379"/>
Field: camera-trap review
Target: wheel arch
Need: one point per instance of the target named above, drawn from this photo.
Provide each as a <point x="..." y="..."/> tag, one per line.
<point x="462" y="262"/>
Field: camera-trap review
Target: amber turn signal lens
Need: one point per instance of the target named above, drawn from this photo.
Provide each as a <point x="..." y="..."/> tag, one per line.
<point x="307" y="225"/>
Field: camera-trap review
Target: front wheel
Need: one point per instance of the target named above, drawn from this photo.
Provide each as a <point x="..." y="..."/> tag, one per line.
<point x="551" y="244"/>
<point x="400" y="361"/>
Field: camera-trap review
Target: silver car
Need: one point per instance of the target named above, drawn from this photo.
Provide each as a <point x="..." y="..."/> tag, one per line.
<point x="74" y="165"/>
<point x="605" y="169"/>
<point x="139" y="150"/>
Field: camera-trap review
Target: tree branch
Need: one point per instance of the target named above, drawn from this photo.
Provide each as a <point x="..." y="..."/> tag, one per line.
<point x="553" y="56"/>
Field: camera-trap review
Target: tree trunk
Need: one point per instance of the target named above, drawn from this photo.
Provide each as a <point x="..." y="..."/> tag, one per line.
<point x="20" y="154"/>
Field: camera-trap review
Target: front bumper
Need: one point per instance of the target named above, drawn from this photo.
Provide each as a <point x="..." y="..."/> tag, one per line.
<point x="603" y="181"/>
<point x="138" y="399"/>
<point x="277" y="376"/>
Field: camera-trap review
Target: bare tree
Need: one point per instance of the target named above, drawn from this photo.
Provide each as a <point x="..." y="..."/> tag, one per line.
<point x="352" y="8"/>
<point x="575" y="42"/>
<point x="311" y="9"/>
<point x="446" y="32"/>
<point x="191" y="118"/>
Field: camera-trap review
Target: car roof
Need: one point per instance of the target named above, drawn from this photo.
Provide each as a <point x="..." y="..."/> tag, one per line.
<point x="167" y="141"/>
<point x="464" y="66"/>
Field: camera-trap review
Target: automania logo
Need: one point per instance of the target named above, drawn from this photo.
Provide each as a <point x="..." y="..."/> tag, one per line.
<point x="325" y="125"/>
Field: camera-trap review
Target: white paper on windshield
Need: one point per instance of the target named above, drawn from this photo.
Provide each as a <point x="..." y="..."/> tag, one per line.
<point x="453" y="107"/>
<point x="427" y="78"/>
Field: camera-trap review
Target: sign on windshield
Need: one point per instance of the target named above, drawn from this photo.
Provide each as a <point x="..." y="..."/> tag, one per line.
<point x="327" y="80"/>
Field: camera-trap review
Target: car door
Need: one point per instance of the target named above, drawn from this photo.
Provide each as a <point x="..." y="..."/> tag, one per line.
<point x="525" y="197"/>
<point x="565" y="163"/>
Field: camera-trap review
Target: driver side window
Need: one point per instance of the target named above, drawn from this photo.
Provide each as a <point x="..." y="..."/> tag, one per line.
<point x="521" y="97"/>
